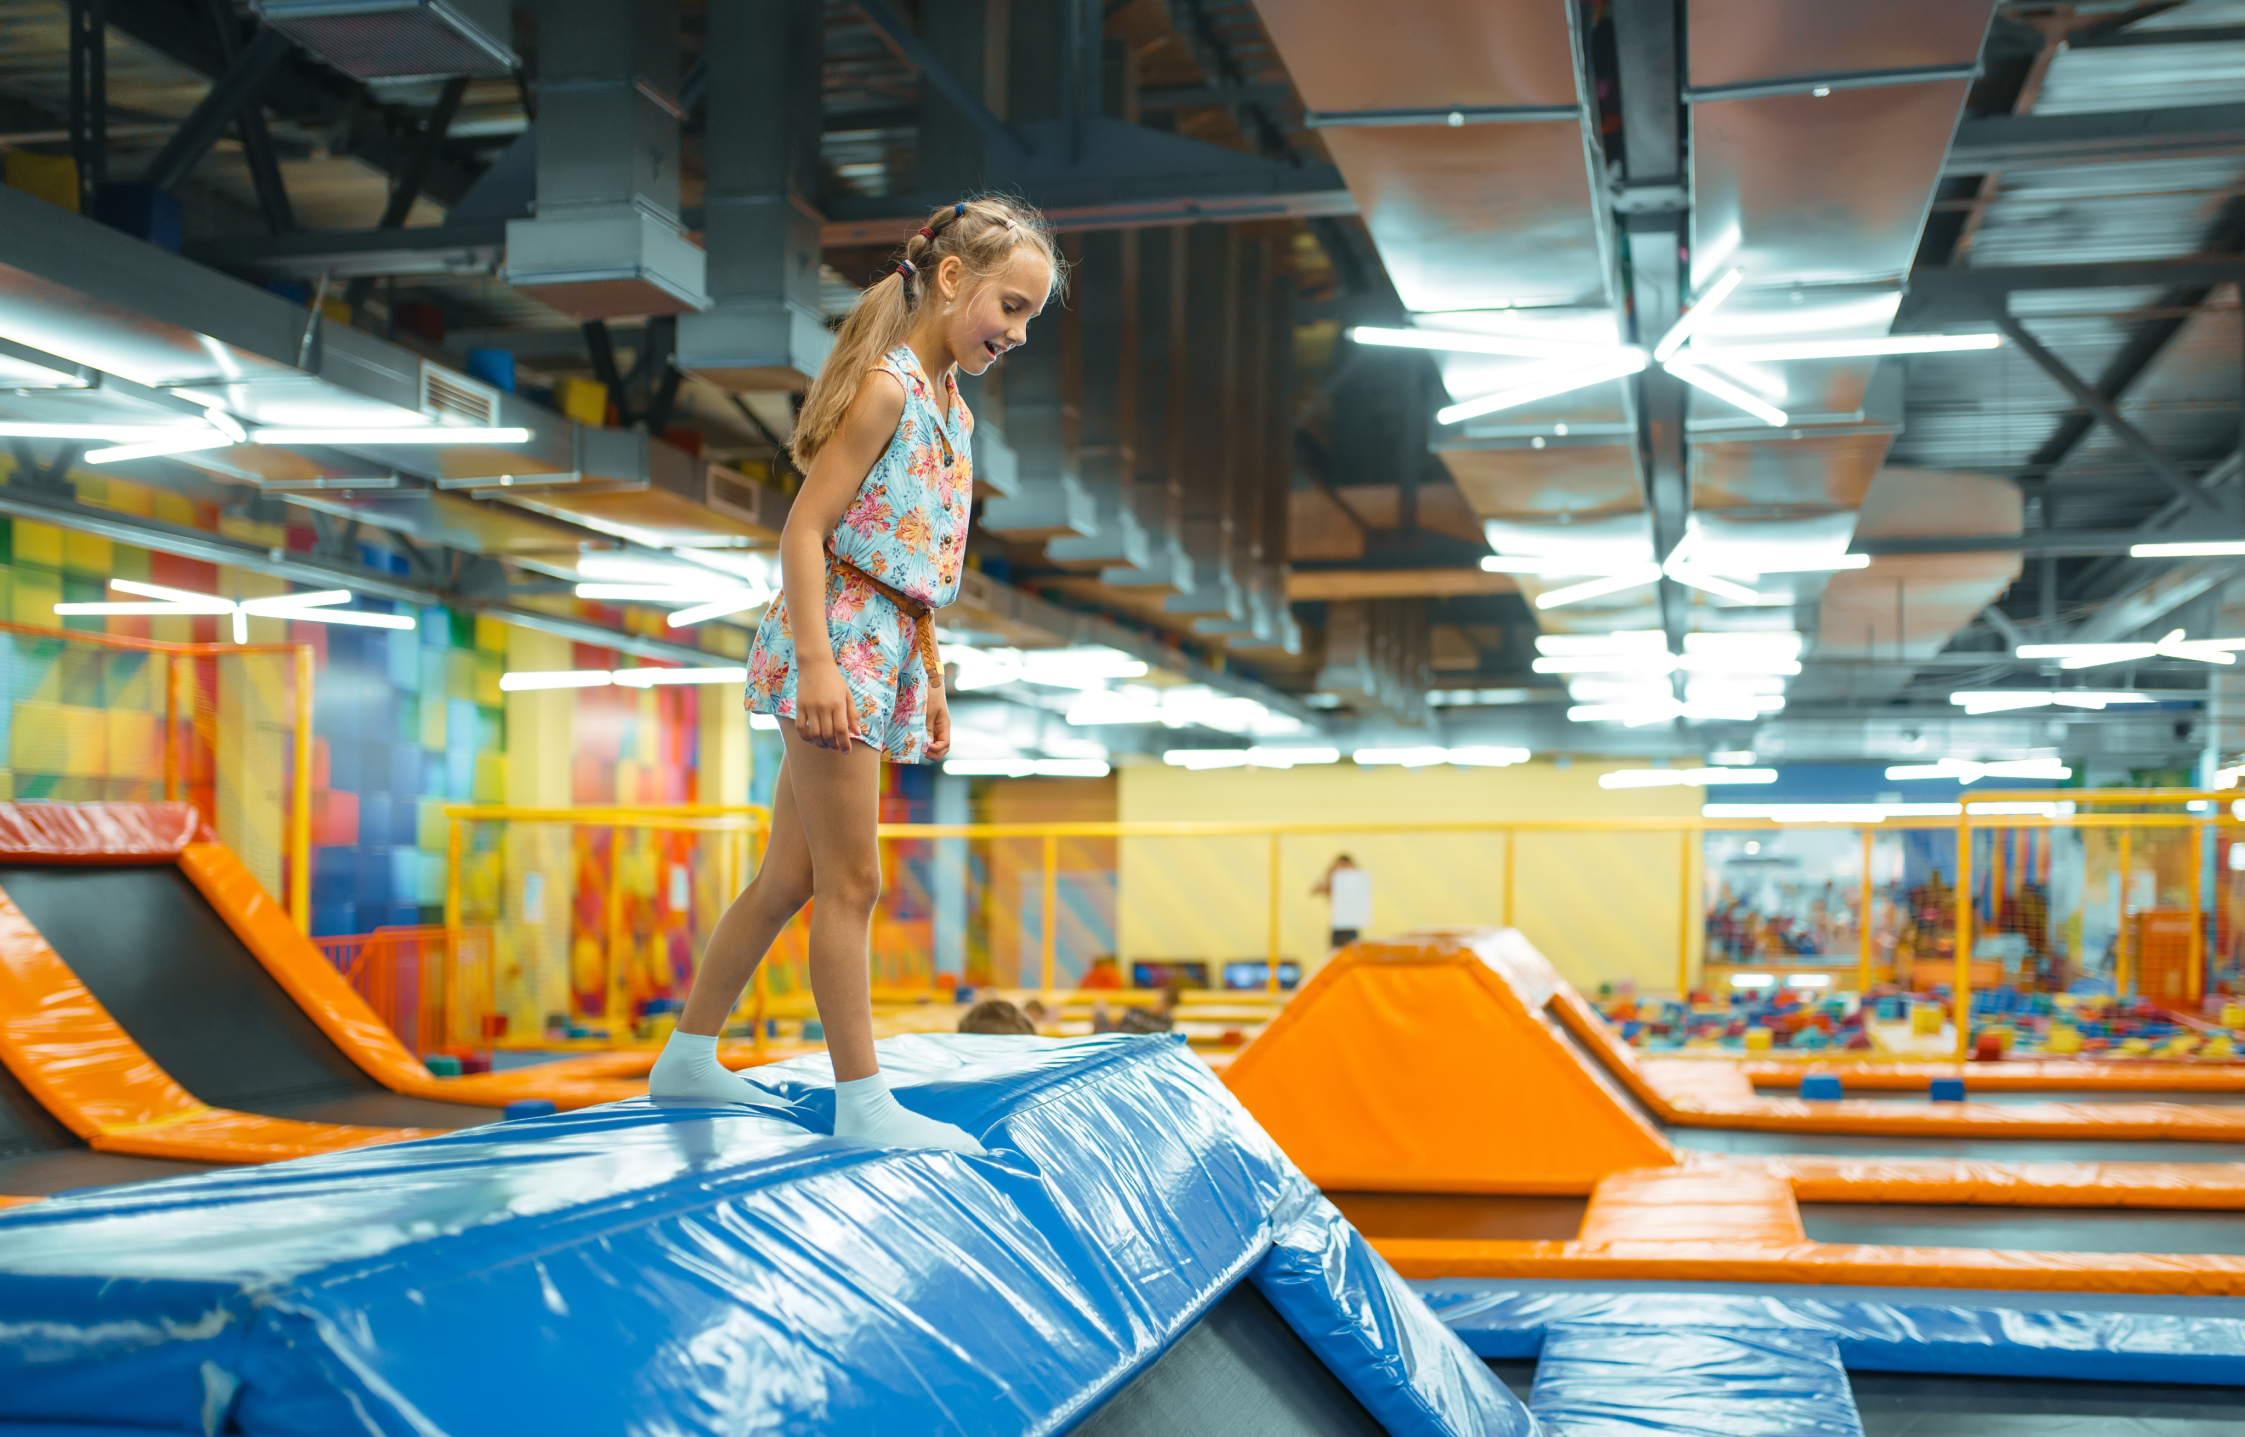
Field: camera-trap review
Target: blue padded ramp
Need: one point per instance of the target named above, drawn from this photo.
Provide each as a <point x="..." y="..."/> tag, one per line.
<point x="688" y="1268"/>
<point x="1613" y="1381"/>
<point x="2076" y="1336"/>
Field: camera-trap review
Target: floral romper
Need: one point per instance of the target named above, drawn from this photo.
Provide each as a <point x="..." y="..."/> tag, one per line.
<point x="908" y="528"/>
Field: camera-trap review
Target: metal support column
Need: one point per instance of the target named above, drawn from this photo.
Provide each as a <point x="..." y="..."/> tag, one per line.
<point x="89" y="98"/>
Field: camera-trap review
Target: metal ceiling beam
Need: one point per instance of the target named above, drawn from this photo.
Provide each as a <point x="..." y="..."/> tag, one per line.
<point x="2062" y="543"/>
<point x="2097" y="404"/>
<point x="915" y="52"/>
<point x="236" y="88"/>
<point x="2046" y="142"/>
<point x="257" y="141"/>
<point x="300" y="91"/>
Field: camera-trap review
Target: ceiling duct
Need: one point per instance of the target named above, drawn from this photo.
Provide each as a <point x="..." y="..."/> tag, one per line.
<point x="606" y="241"/>
<point x="401" y="39"/>
<point x="760" y="156"/>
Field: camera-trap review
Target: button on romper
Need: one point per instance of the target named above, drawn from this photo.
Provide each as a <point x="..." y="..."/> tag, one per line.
<point x="908" y="528"/>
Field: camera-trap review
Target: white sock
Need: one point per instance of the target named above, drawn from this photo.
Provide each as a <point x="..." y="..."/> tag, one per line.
<point x="866" y="1110"/>
<point x="688" y="1068"/>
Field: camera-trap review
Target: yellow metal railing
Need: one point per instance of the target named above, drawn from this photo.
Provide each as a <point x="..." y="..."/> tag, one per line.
<point x="748" y="825"/>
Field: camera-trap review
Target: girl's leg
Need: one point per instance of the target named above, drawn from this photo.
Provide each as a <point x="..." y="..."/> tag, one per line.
<point x="688" y="1067"/>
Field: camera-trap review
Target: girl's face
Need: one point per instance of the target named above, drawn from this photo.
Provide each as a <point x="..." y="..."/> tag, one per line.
<point x="982" y="320"/>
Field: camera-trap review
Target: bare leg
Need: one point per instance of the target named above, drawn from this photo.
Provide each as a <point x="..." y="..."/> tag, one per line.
<point x="753" y="922"/>
<point x="838" y="807"/>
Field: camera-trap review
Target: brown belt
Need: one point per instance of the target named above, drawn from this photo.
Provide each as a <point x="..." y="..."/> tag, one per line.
<point x="923" y="618"/>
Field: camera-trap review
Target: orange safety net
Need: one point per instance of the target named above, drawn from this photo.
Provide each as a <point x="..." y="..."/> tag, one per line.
<point x="67" y="1051"/>
<point x="1414" y="1067"/>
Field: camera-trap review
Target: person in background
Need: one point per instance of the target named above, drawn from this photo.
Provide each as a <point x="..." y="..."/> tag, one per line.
<point x="996" y="1015"/>
<point x="1160" y="1018"/>
<point x="1349" y="888"/>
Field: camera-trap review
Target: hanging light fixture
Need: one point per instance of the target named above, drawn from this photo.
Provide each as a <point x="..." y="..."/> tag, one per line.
<point x="317" y="607"/>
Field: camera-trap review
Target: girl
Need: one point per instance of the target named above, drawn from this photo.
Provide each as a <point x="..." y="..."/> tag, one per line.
<point x="846" y="656"/>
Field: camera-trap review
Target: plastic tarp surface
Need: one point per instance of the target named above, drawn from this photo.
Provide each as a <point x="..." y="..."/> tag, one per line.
<point x="722" y="1268"/>
<point x="97" y="832"/>
<point x="2074" y="1336"/>
<point x="1611" y="1380"/>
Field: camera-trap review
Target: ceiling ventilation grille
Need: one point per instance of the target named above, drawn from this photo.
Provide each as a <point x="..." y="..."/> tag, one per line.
<point x="456" y="399"/>
<point x="400" y="39"/>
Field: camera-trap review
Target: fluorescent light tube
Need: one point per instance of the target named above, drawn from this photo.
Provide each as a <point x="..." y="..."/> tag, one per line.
<point x="430" y="434"/>
<point x="661" y="593"/>
<point x="1630" y="578"/>
<point x="1697" y="315"/>
<point x="1728" y="392"/>
<point x="649" y="678"/>
<point x="1866" y="348"/>
<point x="156" y="448"/>
<point x="2146" y="551"/>
<point x="555" y="679"/>
<point x="1700" y="579"/>
<point x="106" y="433"/>
<point x="1462" y="342"/>
<point x="718" y="608"/>
<point x="1627" y="363"/>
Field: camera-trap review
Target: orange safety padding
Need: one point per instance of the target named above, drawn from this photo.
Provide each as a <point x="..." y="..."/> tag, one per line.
<point x="2215" y="1187"/>
<point x="328" y="999"/>
<point x="67" y="1051"/>
<point x="1413" y="1067"/>
<point x="96" y="832"/>
<point x="1681" y="1204"/>
<point x="1701" y="1224"/>
<point x="16" y="1201"/>
<point x="1820" y="1263"/>
<point x="1692" y="1093"/>
<point x="2011" y="1075"/>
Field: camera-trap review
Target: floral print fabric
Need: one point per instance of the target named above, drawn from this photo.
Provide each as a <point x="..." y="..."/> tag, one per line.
<point x="908" y="527"/>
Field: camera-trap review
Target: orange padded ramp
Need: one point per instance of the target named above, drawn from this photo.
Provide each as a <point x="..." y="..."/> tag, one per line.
<point x="330" y="1001"/>
<point x="1414" y="1067"/>
<point x="67" y="1051"/>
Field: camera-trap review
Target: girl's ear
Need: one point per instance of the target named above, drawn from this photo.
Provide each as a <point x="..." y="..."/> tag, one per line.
<point x="951" y="273"/>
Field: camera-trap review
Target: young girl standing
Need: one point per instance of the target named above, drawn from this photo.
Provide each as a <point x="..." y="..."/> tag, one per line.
<point x="846" y="657"/>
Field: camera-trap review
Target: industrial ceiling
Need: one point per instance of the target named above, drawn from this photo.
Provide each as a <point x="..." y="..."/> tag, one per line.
<point x="1211" y="465"/>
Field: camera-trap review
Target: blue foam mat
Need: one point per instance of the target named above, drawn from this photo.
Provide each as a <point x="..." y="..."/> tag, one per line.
<point x="2075" y="1336"/>
<point x="683" y="1268"/>
<point x="1609" y="1380"/>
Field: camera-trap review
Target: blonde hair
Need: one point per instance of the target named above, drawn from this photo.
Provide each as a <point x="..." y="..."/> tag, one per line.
<point x="983" y="232"/>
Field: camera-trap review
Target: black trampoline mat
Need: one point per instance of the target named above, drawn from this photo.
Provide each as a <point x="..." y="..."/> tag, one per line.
<point x="150" y="947"/>
<point x="2019" y="1229"/>
<point x="45" y="1174"/>
<point x="1238" y="1372"/>
<point x="1899" y="1405"/>
<point x="1999" y="1150"/>
<point x="1461" y="1216"/>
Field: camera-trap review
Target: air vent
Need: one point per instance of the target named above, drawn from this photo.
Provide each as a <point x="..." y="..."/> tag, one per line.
<point x="456" y="399"/>
<point x="400" y="39"/>
<point x="741" y="498"/>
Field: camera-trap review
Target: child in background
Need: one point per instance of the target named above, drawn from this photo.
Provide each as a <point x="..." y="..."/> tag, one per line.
<point x="1350" y="890"/>
<point x="846" y="658"/>
<point x="996" y="1015"/>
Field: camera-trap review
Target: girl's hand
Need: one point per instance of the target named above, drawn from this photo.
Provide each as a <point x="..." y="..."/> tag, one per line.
<point x="823" y="711"/>
<point x="939" y="725"/>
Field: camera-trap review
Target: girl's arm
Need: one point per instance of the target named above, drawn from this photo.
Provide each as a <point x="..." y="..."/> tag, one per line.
<point x="823" y="712"/>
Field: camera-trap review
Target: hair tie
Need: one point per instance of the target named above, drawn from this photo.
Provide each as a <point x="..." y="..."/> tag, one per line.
<point x="926" y="233"/>
<point x="906" y="268"/>
<point x="959" y="211"/>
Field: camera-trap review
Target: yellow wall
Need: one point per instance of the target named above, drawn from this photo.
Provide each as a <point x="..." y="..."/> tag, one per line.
<point x="1603" y="907"/>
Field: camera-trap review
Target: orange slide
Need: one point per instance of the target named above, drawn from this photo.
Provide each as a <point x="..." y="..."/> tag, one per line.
<point x="67" y="1051"/>
<point x="1432" y="1064"/>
